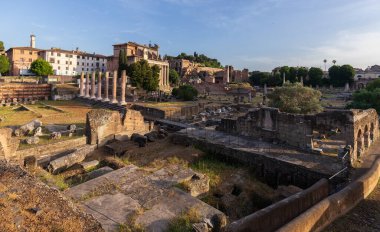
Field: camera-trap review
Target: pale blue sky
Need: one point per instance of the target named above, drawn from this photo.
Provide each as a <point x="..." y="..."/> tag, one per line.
<point x="256" y="34"/>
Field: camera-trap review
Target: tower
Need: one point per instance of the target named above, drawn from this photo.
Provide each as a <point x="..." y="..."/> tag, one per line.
<point x="32" y="41"/>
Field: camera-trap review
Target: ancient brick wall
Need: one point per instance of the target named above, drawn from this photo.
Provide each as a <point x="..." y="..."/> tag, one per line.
<point x="35" y="91"/>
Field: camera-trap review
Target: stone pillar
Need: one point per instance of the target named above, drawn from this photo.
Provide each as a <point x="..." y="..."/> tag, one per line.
<point x="99" y="87"/>
<point x="106" y="87"/>
<point x="114" y="87"/>
<point x="93" y="85"/>
<point x="87" y="85"/>
<point x="81" y="85"/>
<point x="123" y="83"/>
<point x="167" y="76"/>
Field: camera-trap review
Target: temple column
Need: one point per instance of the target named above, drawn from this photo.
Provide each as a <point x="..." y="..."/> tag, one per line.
<point x="93" y="85"/>
<point x="106" y="88"/>
<point x="167" y="76"/>
<point x="99" y="87"/>
<point x="165" y="71"/>
<point x="87" y="85"/>
<point x="81" y="90"/>
<point x="114" y="87"/>
<point x="123" y="82"/>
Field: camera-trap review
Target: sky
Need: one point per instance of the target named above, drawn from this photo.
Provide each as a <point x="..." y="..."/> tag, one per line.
<point x="253" y="34"/>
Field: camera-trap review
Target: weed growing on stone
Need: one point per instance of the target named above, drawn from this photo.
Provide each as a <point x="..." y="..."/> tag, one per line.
<point x="52" y="180"/>
<point x="183" y="222"/>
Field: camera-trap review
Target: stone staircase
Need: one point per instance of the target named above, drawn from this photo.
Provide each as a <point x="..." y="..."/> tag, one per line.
<point x="100" y="104"/>
<point x="330" y="145"/>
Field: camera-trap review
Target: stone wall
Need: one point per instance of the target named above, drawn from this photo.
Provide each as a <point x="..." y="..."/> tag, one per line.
<point x="279" y="213"/>
<point x="103" y="125"/>
<point x="46" y="150"/>
<point x="358" y="128"/>
<point x="35" y="91"/>
<point x="8" y="144"/>
<point x="168" y="112"/>
<point x="336" y="205"/>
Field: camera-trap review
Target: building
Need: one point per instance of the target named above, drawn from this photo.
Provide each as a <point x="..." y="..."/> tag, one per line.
<point x="363" y="77"/>
<point x="71" y="63"/>
<point x="64" y="62"/>
<point x="136" y="52"/>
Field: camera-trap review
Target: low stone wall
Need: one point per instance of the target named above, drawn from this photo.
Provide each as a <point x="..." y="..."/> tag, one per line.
<point x="168" y="112"/>
<point x="35" y="91"/>
<point x="272" y="171"/>
<point x="42" y="151"/>
<point x="336" y="205"/>
<point x="279" y="213"/>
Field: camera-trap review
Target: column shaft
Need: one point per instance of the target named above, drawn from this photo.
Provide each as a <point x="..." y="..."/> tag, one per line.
<point x="123" y="82"/>
<point x="81" y="86"/>
<point x="87" y="85"/>
<point x="106" y="87"/>
<point x="114" y="87"/>
<point x="99" y="87"/>
<point x="93" y="85"/>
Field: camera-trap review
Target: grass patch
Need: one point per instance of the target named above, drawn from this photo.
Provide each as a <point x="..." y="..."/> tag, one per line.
<point x="131" y="225"/>
<point x="52" y="180"/>
<point x="183" y="222"/>
<point x="213" y="168"/>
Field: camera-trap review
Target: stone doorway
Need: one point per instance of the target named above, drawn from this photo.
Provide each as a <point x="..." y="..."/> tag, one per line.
<point x="359" y="144"/>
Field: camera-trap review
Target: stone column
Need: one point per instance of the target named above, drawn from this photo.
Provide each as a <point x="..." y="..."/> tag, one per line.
<point x="123" y="82"/>
<point x="93" y="85"/>
<point x="87" y="85"/>
<point x="99" y="87"/>
<point x="81" y="86"/>
<point x="167" y="76"/>
<point x="114" y="87"/>
<point x="106" y="87"/>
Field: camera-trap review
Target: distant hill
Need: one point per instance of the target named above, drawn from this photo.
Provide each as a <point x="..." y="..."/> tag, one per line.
<point x="201" y="59"/>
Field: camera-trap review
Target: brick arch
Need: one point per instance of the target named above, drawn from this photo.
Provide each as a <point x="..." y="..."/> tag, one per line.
<point x="366" y="137"/>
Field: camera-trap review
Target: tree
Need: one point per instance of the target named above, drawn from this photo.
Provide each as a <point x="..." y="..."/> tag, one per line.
<point x="284" y="70"/>
<point x="347" y="73"/>
<point x="144" y="76"/>
<point x="303" y="72"/>
<point x="295" y="98"/>
<point x="4" y="64"/>
<point x="340" y="75"/>
<point x="41" y="67"/>
<point x="325" y="61"/>
<point x="173" y="77"/>
<point x="122" y="61"/>
<point x="2" y="46"/>
<point x="315" y="76"/>
<point x="334" y="62"/>
<point x="261" y="78"/>
<point x="185" y="92"/>
<point x="368" y="97"/>
<point x="334" y="76"/>
<point x="293" y="73"/>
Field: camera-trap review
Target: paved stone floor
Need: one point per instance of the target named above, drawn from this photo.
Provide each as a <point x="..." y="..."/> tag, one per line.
<point x="324" y="164"/>
<point x="147" y="197"/>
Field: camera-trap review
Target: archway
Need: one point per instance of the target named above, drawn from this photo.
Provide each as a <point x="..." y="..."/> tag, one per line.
<point x="359" y="144"/>
<point x="366" y="137"/>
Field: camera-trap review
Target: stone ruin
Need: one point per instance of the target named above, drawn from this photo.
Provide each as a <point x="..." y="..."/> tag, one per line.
<point x="355" y="128"/>
<point x="8" y="144"/>
<point x="103" y="125"/>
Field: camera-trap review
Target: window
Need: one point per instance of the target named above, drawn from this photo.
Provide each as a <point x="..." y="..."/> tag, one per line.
<point x="59" y="67"/>
<point x="87" y="64"/>
<point x="30" y="59"/>
<point x="52" y="53"/>
<point x="103" y="64"/>
<point x="73" y="69"/>
<point x="82" y="69"/>
<point x="82" y="63"/>
<point x="97" y="58"/>
<point x="92" y="64"/>
<point x="71" y="62"/>
<point x="51" y="60"/>
<point x="78" y="57"/>
<point x="30" y="52"/>
<point x="67" y="68"/>
<point x="22" y="51"/>
<point x="58" y="54"/>
<point x="77" y="63"/>
<point x="66" y="55"/>
<point x="71" y="56"/>
<point x="87" y="69"/>
<point x="97" y="65"/>
<point x="57" y="61"/>
<point x="22" y="59"/>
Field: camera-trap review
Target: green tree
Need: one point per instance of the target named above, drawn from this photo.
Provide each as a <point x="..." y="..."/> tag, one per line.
<point x="4" y="65"/>
<point x="315" y="76"/>
<point x="303" y="72"/>
<point x="368" y="97"/>
<point x="173" y="77"/>
<point x="285" y="70"/>
<point x="293" y="74"/>
<point x="335" y="76"/>
<point x="41" y="67"/>
<point x="2" y="46"/>
<point x="185" y="92"/>
<point x="122" y="62"/>
<point x="295" y="98"/>
<point x="347" y="73"/>
<point x="143" y="76"/>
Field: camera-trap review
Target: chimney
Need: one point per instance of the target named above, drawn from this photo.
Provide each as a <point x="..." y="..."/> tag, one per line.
<point x="32" y="41"/>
